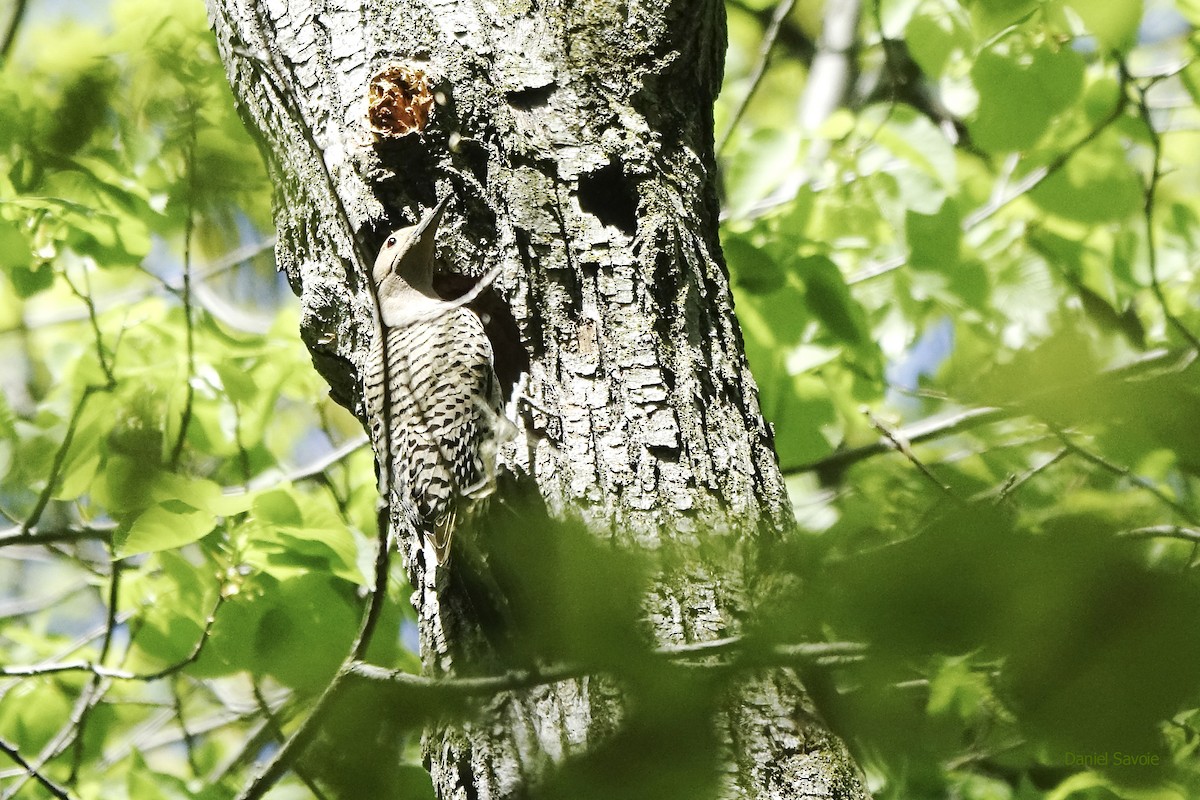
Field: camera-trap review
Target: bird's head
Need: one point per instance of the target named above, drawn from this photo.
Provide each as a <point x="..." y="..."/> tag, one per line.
<point x="407" y="254"/>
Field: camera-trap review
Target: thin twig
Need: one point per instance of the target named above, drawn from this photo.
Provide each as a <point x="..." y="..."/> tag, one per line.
<point x="66" y="735"/>
<point x="93" y="320"/>
<point x="34" y="772"/>
<point x="900" y="443"/>
<point x="745" y="654"/>
<point x="1152" y="363"/>
<point x="18" y="535"/>
<point x="251" y="747"/>
<point x="97" y="668"/>
<point x="918" y="432"/>
<point x="277" y="729"/>
<point x="1015" y="482"/>
<point x="27" y="606"/>
<point x="124" y="299"/>
<point x="110" y="628"/>
<point x="877" y="269"/>
<point x="1151" y="191"/>
<point x="72" y="731"/>
<point x="15" y="17"/>
<point x="310" y="470"/>
<point x="158" y="734"/>
<point x="186" y="294"/>
<point x="1124" y="472"/>
<point x="1164" y="531"/>
<point x="60" y="457"/>
<point x="782" y="9"/>
<point x="189" y="739"/>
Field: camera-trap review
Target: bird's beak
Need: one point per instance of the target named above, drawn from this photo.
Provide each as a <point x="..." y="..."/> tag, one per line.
<point x="421" y="250"/>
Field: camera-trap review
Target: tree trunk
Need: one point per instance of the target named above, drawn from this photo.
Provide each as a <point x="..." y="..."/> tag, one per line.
<point x="575" y="140"/>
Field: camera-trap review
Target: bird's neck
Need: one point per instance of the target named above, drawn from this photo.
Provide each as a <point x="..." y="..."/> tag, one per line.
<point x="406" y="303"/>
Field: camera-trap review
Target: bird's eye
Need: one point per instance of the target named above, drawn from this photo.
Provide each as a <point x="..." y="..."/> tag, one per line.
<point x="391" y="242"/>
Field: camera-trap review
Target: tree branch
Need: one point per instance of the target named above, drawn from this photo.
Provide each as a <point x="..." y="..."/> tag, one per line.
<point x="916" y="433"/>
<point x="743" y="655"/>
<point x="34" y="772"/>
<point x="1162" y="360"/>
<point x="15" y="18"/>
<point x="19" y="535"/>
<point x="1164" y="531"/>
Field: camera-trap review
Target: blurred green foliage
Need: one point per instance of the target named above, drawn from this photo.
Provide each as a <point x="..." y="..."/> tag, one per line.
<point x="969" y="296"/>
<point x="157" y="416"/>
<point x="1011" y="228"/>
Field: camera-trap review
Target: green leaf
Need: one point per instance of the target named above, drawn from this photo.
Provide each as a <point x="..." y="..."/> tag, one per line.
<point x="934" y="239"/>
<point x="29" y="281"/>
<point x="1115" y="25"/>
<point x="752" y="268"/>
<point x="1096" y="185"/>
<point x="928" y="159"/>
<point x="413" y="783"/>
<point x="32" y="712"/>
<point x="934" y="36"/>
<point x="131" y="485"/>
<point x="15" y="249"/>
<point x="828" y="297"/>
<point x="277" y="507"/>
<point x="201" y="493"/>
<point x="287" y="554"/>
<point x="801" y="411"/>
<point x="760" y="165"/>
<point x="1020" y="91"/>
<point x="146" y="784"/>
<point x="238" y="382"/>
<point x="994" y="15"/>
<point x="1080" y="782"/>
<point x="958" y="689"/>
<point x="8" y="435"/>
<point x="297" y="630"/>
<point x="172" y="597"/>
<point x="304" y="636"/>
<point x="288" y="534"/>
<point x="164" y="526"/>
<point x="1190" y="9"/>
<point x="1101" y="97"/>
<point x="127" y="485"/>
<point x="80" y="467"/>
<point x="79" y="470"/>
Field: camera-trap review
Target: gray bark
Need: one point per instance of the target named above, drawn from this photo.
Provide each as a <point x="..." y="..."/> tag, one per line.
<point x="576" y="139"/>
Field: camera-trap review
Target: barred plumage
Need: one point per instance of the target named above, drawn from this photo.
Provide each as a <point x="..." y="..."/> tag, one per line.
<point x="444" y="408"/>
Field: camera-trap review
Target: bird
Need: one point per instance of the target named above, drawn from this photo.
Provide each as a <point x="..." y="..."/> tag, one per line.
<point x="432" y="374"/>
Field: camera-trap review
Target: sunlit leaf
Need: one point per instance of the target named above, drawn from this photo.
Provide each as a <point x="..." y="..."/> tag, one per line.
<point x="1096" y="185"/>
<point x="1020" y="92"/>
<point x="1115" y="25"/>
<point x="164" y="526"/>
<point x="14" y="248"/>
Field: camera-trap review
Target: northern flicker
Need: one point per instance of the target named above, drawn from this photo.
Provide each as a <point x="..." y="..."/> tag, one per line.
<point x="442" y="401"/>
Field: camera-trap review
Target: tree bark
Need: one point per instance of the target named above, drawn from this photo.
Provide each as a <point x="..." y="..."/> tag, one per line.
<point x="576" y="141"/>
